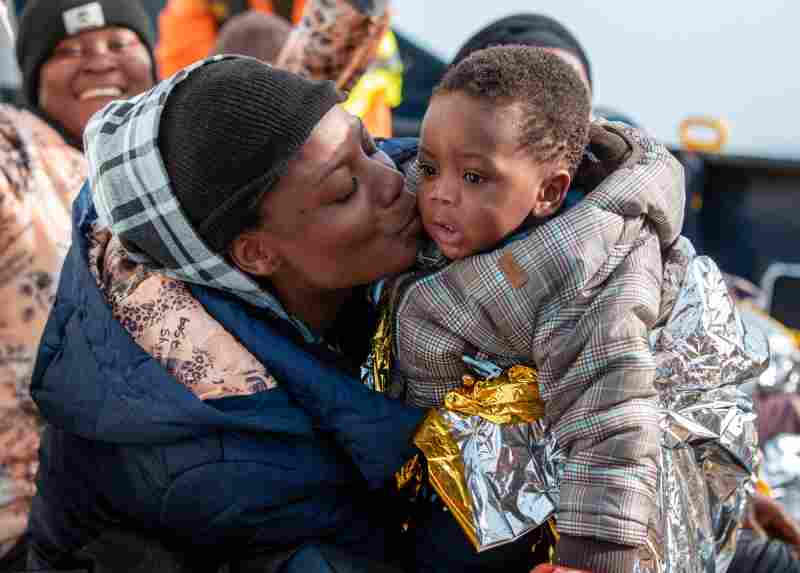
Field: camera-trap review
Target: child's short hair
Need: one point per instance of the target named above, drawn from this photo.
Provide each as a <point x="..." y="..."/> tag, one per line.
<point x="554" y="101"/>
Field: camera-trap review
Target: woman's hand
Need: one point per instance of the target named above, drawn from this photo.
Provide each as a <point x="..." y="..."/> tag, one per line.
<point x="769" y="518"/>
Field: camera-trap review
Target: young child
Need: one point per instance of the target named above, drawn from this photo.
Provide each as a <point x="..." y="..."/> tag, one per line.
<point x="499" y="147"/>
<point x="512" y="278"/>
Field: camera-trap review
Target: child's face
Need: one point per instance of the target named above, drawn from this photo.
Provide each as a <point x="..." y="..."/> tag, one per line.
<point x="477" y="185"/>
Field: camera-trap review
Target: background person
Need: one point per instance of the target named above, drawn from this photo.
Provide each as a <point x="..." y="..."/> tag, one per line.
<point x="188" y="29"/>
<point x="69" y="71"/>
<point x="254" y="34"/>
<point x="536" y="30"/>
<point x="77" y="56"/>
<point x="346" y="41"/>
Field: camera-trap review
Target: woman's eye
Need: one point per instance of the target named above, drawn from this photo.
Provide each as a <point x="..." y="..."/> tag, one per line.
<point x="473" y="178"/>
<point x="121" y="44"/>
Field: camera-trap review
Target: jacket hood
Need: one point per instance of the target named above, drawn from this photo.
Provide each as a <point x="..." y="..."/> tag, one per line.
<point x="93" y="380"/>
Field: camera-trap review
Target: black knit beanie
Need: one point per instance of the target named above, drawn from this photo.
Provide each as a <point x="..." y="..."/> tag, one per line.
<point x="44" y="23"/>
<point x="527" y="29"/>
<point x="226" y="135"/>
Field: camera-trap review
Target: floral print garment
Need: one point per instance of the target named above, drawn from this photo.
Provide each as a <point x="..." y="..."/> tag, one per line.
<point x="39" y="176"/>
<point x="336" y="40"/>
<point x="165" y="320"/>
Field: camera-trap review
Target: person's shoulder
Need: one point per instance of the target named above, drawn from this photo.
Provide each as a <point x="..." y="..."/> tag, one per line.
<point x="401" y="150"/>
<point x="15" y="151"/>
<point x="27" y="133"/>
<point x="11" y="125"/>
<point x="34" y="156"/>
<point x="18" y="120"/>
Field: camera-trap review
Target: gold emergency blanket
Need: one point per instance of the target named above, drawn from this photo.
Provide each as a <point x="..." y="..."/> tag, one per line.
<point x="490" y="429"/>
<point x="378" y="369"/>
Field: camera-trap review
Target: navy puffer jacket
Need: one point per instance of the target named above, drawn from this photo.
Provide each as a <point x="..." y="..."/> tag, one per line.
<point x="125" y="444"/>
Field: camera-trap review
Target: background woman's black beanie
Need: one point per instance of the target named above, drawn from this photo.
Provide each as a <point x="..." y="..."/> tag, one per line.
<point x="42" y="27"/>
<point x="227" y="134"/>
<point x="527" y="29"/>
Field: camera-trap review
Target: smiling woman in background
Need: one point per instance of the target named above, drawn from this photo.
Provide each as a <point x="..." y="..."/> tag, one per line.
<point x="77" y="56"/>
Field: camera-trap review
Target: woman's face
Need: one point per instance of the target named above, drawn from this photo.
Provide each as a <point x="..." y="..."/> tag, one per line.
<point x="339" y="217"/>
<point x="87" y="71"/>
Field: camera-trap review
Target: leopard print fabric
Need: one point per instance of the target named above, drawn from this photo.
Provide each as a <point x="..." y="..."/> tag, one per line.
<point x="168" y="323"/>
<point x="335" y="40"/>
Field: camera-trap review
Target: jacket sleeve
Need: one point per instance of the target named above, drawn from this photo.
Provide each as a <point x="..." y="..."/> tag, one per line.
<point x="596" y="365"/>
<point x="376" y="431"/>
<point x="606" y="417"/>
<point x="335" y="40"/>
<point x="34" y="232"/>
<point x="596" y="372"/>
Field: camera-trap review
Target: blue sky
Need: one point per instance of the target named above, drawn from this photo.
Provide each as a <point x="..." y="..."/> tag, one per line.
<point x="661" y="61"/>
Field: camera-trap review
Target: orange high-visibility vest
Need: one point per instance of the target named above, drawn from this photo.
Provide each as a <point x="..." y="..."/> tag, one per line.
<point x="187" y="31"/>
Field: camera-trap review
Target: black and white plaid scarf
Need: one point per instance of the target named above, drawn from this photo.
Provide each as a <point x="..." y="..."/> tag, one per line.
<point x="134" y="199"/>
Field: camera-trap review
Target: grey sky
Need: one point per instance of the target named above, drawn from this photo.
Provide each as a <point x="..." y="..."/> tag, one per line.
<point x="660" y="61"/>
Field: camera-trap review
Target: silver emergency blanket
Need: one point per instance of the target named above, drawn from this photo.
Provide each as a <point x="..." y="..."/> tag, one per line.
<point x="512" y="474"/>
<point x="704" y="351"/>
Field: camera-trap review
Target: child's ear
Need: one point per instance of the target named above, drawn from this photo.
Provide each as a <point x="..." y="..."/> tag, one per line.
<point x="552" y="192"/>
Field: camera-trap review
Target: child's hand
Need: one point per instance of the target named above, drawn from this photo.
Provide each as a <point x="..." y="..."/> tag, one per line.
<point x="557" y="569"/>
<point x="610" y="151"/>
